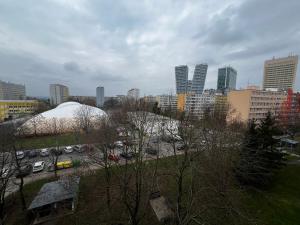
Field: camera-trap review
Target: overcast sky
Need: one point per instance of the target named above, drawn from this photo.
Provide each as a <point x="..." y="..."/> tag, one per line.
<point x="124" y="44"/>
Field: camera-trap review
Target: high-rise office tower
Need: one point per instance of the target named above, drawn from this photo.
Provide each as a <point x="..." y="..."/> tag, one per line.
<point x="226" y="78"/>
<point x="10" y="91"/>
<point x="100" y="96"/>
<point x="58" y="94"/>
<point x="181" y="76"/>
<point x="280" y="73"/>
<point x="199" y="78"/>
<point x="189" y="86"/>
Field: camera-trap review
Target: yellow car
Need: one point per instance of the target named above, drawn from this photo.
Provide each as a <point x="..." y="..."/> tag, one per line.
<point x="64" y="164"/>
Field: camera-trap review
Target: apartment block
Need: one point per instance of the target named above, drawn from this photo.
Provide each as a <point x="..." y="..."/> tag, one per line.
<point x="196" y="104"/>
<point x="221" y="103"/>
<point x="167" y="102"/>
<point x="11" y="109"/>
<point x="10" y="91"/>
<point x="250" y="104"/>
<point x="58" y="94"/>
<point x="280" y="73"/>
<point x="100" y="96"/>
<point x="150" y="99"/>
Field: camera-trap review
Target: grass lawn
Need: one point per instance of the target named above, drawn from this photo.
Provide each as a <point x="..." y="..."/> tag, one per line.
<point x="280" y="205"/>
<point x="47" y="141"/>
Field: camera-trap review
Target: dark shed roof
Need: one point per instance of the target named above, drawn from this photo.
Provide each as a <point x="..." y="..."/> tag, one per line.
<point x="55" y="192"/>
<point x="289" y="141"/>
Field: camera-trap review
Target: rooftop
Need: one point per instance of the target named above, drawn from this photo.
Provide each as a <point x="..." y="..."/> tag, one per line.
<point x="23" y="101"/>
<point x="55" y="192"/>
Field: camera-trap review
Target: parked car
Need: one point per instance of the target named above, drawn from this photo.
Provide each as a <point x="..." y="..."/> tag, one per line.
<point x="20" y="155"/>
<point x="44" y="152"/>
<point x="50" y="167"/>
<point x="64" y="164"/>
<point x="68" y="149"/>
<point x="5" y="172"/>
<point x="127" y="155"/>
<point x="168" y="138"/>
<point x="32" y="154"/>
<point x="113" y="157"/>
<point x="86" y="148"/>
<point x="128" y="142"/>
<point x="181" y="147"/>
<point x="38" y="166"/>
<point x="55" y="151"/>
<point x="24" y="171"/>
<point x="77" y="148"/>
<point x="119" y="144"/>
<point x="151" y="151"/>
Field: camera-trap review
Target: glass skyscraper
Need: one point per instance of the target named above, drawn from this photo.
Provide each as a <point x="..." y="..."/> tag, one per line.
<point x="226" y="78"/>
<point x="196" y="86"/>
<point x="181" y="76"/>
<point x="199" y="78"/>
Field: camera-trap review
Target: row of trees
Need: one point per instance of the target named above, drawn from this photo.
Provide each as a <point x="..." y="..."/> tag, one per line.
<point x="205" y="165"/>
<point x="201" y="177"/>
<point x="12" y="137"/>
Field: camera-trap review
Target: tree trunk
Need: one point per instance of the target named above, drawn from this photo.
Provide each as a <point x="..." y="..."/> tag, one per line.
<point x="2" y="214"/>
<point x="22" y="197"/>
<point x="108" y="184"/>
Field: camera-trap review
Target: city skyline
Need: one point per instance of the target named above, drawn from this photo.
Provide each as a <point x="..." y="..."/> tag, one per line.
<point x="140" y="47"/>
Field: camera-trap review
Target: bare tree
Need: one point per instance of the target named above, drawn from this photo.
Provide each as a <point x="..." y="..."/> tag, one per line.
<point x="36" y="124"/>
<point x="135" y="185"/>
<point x="6" y="166"/>
<point x="56" y="127"/>
<point x="182" y="136"/>
<point x="215" y="165"/>
<point x="104" y="138"/>
<point x="19" y="165"/>
<point x="84" y="117"/>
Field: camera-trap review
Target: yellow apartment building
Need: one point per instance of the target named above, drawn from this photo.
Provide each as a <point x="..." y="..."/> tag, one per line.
<point x="255" y="104"/>
<point x="16" y="108"/>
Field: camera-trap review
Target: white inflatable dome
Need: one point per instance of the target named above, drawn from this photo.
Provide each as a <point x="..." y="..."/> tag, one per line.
<point x="64" y="118"/>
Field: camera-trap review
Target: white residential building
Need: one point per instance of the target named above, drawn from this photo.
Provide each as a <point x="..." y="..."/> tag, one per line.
<point x="167" y="102"/>
<point x="58" y="94"/>
<point x="196" y="104"/>
<point x="10" y="91"/>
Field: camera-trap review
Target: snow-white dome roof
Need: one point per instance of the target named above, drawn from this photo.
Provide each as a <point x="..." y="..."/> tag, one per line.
<point x="68" y="110"/>
<point x="65" y="115"/>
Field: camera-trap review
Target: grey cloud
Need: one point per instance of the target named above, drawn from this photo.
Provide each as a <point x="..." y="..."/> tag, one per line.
<point x="72" y="66"/>
<point x="125" y="44"/>
<point x="223" y="30"/>
<point x="102" y="77"/>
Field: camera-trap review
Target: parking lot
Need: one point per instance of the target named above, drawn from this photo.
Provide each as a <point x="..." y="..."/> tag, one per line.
<point x="86" y="159"/>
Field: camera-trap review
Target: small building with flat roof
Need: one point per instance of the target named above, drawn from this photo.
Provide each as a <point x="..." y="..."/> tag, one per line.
<point x="289" y="143"/>
<point x="54" y="200"/>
